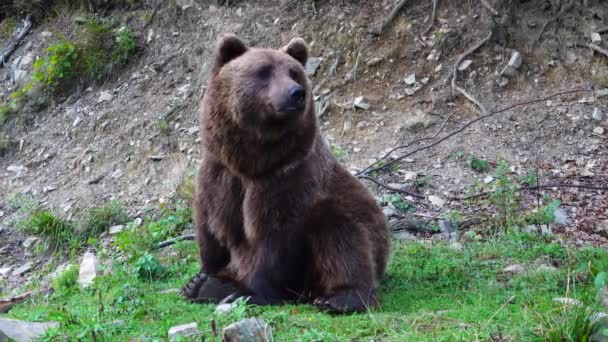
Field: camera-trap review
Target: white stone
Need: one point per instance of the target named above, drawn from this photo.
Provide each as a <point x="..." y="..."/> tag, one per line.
<point x="602" y="92"/>
<point x="410" y="80"/>
<point x="5" y="271"/>
<point x="105" y="96"/>
<point x="488" y="179"/>
<point x="89" y="268"/>
<point x="18" y="169"/>
<point x="561" y="217"/>
<point x="250" y="330"/>
<point x="22" y="331"/>
<point x="312" y="64"/>
<point x="598" y="130"/>
<point x="117" y="174"/>
<point x="361" y="103"/>
<point x="30" y="242"/>
<point x="46" y="34"/>
<point x="567" y="301"/>
<point x="465" y="65"/>
<point x="597" y="115"/>
<point x="546" y="269"/>
<point x="596" y="38"/>
<point x="225" y="308"/>
<point x="437" y="201"/>
<point x="23" y="269"/>
<point x="185" y="330"/>
<point x="516" y="60"/>
<point x="116" y="229"/>
<point x="515" y="269"/>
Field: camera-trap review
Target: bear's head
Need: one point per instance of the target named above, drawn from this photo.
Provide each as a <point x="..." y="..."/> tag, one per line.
<point x="267" y="90"/>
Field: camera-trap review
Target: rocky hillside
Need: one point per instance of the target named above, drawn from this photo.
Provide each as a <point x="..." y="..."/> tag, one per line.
<point x="463" y="117"/>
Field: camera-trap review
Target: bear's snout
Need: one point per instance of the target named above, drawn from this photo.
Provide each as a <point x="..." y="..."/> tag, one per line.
<point x="294" y="102"/>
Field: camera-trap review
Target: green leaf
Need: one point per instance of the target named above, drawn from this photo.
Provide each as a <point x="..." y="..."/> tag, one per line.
<point x="600" y="281"/>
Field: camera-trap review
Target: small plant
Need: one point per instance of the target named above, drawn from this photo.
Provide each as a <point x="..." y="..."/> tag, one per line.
<point x="148" y="268"/>
<point x="172" y="223"/>
<point x="505" y="198"/>
<point x="134" y="241"/>
<point x="396" y="202"/>
<point x="98" y="219"/>
<point x="7" y="27"/>
<point x="56" y="232"/>
<point x="338" y="152"/>
<point x="478" y="165"/>
<point x="67" y="280"/>
<point x="529" y="178"/>
<point x="544" y="214"/>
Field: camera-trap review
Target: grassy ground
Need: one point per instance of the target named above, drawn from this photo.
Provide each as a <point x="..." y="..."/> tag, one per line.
<point x="432" y="292"/>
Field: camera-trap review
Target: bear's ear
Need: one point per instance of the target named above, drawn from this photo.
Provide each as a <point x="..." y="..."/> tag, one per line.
<point x="228" y="48"/>
<point x="297" y="49"/>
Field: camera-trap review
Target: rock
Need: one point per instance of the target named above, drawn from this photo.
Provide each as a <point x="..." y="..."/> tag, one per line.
<point x="17" y="169"/>
<point x="388" y="212"/>
<point x="23" y="269"/>
<point x="46" y="34"/>
<point x="184" y="4"/>
<point x="225" y="308"/>
<point x="438" y="68"/>
<point x="117" y="174"/>
<point x="30" y="242"/>
<point x="514" y="63"/>
<point x="22" y="331"/>
<point x="596" y="38"/>
<point x="404" y="235"/>
<point x="105" y="96"/>
<point x="515" y="269"/>
<point x="561" y="217"/>
<point x="546" y="269"/>
<point x="446" y="226"/>
<point x="185" y="330"/>
<point x="312" y="64"/>
<point x="374" y="61"/>
<point x="361" y="103"/>
<point x="137" y="222"/>
<point x="192" y="130"/>
<point x="247" y="330"/>
<point x="598" y="130"/>
<point x="5" y="271"/>
<point x="567" y="301"/>
<point x="502" y="81"/>
<point x="410" y="91"/>
<point x="116" y="229"/>
<point x="88" y="269"/>
<point x="436" y="201"/>
<point x="602" y="92"/>
<point x="410" y="80"/>
<point x="457" y="246"/>
<point x="488" y="179"/>
<point x="465" y="65"/>
<point x="597" y="115"/>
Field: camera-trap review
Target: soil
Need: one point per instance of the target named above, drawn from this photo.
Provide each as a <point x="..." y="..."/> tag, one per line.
<point x="141" y="145"/>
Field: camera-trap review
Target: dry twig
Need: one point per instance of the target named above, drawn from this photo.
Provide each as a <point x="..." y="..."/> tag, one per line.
<point x="12" y="45"/>
<point x="175" y="240"/>
<point x="470" y="97"/>
<point x="371" y="168"/>
<point x="387" y="187"/>
<point x="433" y="15"/>
<point x="489" y="7"/>
<point x="390" y="17"/>
<point x="598" y="49"/>
<point x="538" y="187"/>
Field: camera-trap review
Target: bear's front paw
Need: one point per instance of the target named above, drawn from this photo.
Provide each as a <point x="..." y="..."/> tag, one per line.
<point x="205" y="288"/>
<point x="347" y="301"/>
<point x="191" y="289"/>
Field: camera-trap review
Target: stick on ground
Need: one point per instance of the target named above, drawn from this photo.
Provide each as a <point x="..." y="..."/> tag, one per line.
<point x="12" y="45"/>
<point x="489" y="7"/>
<point x="390" y="17"/>
<point x="433" y="16"/>
<point x="456" y="88"/>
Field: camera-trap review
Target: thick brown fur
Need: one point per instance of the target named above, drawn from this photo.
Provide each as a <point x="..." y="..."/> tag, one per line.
<point x="277" y="217"/>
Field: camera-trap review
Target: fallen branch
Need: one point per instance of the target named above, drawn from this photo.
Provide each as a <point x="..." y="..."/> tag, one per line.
<point x="390" y="17"/>
<point x="386" y="155"/>
<point x="378" y="168"/>
<point x="433" y="15"/>
<point x="489" y="7"/>
<point x="537" y="187"/>
<point x="598" y="49"/>
<point x="172" y="241"/>
<point x="387" y="187"/>
<point x="12" y="45"/>
<point x="470" y="97"/>
<point x="7" y="303"/>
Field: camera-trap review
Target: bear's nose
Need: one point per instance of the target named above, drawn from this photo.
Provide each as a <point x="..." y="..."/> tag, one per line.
<point x="296" y="92"/>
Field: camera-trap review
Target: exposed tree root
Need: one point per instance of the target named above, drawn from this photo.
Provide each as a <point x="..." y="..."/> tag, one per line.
<point x="390" y="17"/>
<point x="489" y="7"/>
<point x="14" y="42"/>
<point x="433" y="16"/>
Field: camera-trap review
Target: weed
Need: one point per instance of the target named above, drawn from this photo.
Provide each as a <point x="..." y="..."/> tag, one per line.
<point x="147" y="267"/>
<point x="478" y="165"/>
<point x="6" y="142"/>
<point x="172" y="223"/>
<point x="396" y="202"/>
<point x="529" y="178"/>
<point x="186" y="189"/>
<point x="97" y="220"/>
<point x="67" y="280"/>
<point x="7" y="27"/>
<point x="134" y="241"/>
<point x="338" y="152"/>
<point x="505" y="198"/>
<point x="57" y="233"/>
<point x="544" y="214"/>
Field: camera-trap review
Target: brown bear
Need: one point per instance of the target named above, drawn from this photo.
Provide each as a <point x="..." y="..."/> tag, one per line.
<point x="277" y="217"/>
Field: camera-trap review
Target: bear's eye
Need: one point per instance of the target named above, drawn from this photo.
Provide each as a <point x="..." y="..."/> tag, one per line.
<point x="264" y="72"/>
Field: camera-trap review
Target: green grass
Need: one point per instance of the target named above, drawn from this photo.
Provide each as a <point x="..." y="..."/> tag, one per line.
<point x="430" y="293"/>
